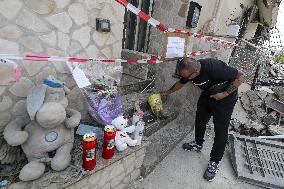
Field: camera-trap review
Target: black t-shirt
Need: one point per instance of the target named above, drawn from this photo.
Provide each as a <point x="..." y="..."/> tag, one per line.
<point x="212" y="72"/>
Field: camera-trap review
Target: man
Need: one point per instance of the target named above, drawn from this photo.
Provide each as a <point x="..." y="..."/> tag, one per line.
<point x="207" y="74"/>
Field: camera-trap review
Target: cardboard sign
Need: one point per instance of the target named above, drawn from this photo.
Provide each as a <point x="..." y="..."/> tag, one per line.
<point x="175" y="46"/>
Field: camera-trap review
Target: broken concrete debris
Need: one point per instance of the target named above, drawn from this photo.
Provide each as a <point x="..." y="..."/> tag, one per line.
<point x="264" y="110"/>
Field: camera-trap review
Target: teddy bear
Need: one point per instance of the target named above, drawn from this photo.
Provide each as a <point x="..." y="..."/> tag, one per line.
<point x="122" y="139"/>
<point x="50" y="129"/>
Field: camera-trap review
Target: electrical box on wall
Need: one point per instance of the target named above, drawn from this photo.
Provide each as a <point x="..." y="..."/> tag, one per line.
<point x="102" y="25"/>
<point x="193" y="15"/>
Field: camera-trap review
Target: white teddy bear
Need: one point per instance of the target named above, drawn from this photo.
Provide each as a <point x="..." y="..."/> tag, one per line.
<point x="122" y="139"/>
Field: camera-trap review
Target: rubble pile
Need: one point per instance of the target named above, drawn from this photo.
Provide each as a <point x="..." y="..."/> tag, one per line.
<point x="262" y="120"/>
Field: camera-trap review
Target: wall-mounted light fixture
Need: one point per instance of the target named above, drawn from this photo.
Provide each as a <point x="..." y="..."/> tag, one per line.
<point x="102" y="25"/>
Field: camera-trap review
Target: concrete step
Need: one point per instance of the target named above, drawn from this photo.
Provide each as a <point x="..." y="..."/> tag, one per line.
<point x="162" y="143"/>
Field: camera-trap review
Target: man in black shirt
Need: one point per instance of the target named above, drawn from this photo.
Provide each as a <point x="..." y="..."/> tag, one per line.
<point x="219" y="83"/>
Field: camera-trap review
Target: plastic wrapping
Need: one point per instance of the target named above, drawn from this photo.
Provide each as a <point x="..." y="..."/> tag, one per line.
<point x="104" y="109"/>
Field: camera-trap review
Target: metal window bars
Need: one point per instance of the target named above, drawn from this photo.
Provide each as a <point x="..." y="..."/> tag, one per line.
<point x="258" y="161"/>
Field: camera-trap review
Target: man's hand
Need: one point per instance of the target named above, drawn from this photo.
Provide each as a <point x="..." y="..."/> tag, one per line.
<point x="219" y="96"/>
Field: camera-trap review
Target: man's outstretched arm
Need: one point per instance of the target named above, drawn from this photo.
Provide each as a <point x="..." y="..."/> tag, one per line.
<point x="177" y="86"/>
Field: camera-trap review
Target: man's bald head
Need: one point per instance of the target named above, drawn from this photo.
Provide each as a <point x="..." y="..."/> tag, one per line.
<point x="189" y="68"/>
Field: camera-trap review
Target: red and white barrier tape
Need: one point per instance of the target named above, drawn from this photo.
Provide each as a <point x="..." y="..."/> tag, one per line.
<point x="164" y="28"/>
<point x="153" y="60"/>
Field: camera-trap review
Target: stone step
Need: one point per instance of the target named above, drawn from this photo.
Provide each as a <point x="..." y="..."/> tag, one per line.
<point x="160" y="123"/>
<point x="130" y="84"/>
<point x="128" y="101"/>
<point x="162" y="143"/>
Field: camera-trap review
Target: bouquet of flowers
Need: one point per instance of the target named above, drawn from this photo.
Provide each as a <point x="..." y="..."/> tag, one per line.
<point x="105" y="87"/>
<point x="104" y="101"/>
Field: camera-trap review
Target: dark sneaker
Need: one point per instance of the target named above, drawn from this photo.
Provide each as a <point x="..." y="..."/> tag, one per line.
<point x="192" y="146"/>
<point x="211" y="171"/>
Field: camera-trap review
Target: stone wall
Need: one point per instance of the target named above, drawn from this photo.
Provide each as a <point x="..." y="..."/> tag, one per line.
<point x="55" y="28"/>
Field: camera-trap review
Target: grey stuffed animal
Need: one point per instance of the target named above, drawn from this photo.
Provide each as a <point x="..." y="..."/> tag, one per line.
<point x="51" y="129"/>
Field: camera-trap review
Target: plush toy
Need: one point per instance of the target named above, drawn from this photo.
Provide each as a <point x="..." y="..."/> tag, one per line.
<point x="122" y="139"/>
<point x="138" y="114"/>
<point x="51" y="128"/>
<point x="139" y="131"/>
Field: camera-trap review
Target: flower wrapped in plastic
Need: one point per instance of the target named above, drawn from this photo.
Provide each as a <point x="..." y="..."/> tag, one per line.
<point x="104" y="101"/>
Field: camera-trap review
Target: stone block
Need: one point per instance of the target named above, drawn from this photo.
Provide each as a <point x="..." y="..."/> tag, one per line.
<point x="62" y="21"/>
<point x="61" y="3"/>
<point x="141" y="152"/>
<point x="5" y="104"/>
<point x="9" y="9"/>
<point x="183" y="10"/>
<point x="139" y="161"/>
<point x="10" y="31"/>
<point x="107" y="186"/>
<point x="118" y="11"/>
<point x="93" y="180"/>
<point x="34" y="67"/>
<point x="21" y="88"/>
<point x="121" y="186"/>
<point x="8" y="47"/>
<point x="100" y="38"/>
<point x="92" y="51"/>
<point x="82" y="183"/>
<point x="32" y="43"/>
<point x="78" y="13"/>
<point x="128" y="162"/>
<point x="49" y="39"/>
<point x="75" y="47"/>
<point x="26" y="18"/>
<point x="117" y="31"/>
<point x="135" y="175"/>
<point x="61" y="67"/>
<point x="106" y="52"/>
<point x="117" y="170"/>
<point x="2" y="90"/>
<point x="5" y="118"/>
<point x="130" y="168"/>
<point x="126" y="179"/>
<point x="111" y="40"/>
<point x="104" y="178"/>
<point x="82" y="35"/>
<point x="117" y="180"/>
<point x="167" y="5"/>
<point x="63" y="41"/>
<point x="116" y="50"/>
<point x="40" y="7"/>
<point x="105" y="13"/>
<point x="94" y="4"/>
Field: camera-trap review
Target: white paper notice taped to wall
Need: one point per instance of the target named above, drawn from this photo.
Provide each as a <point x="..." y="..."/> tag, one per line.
<point x="175" y="47"/>
<point x="80" y="78"/>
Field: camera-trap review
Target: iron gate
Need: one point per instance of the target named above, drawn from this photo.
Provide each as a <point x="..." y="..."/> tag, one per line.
<point x="136" y="31"/>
